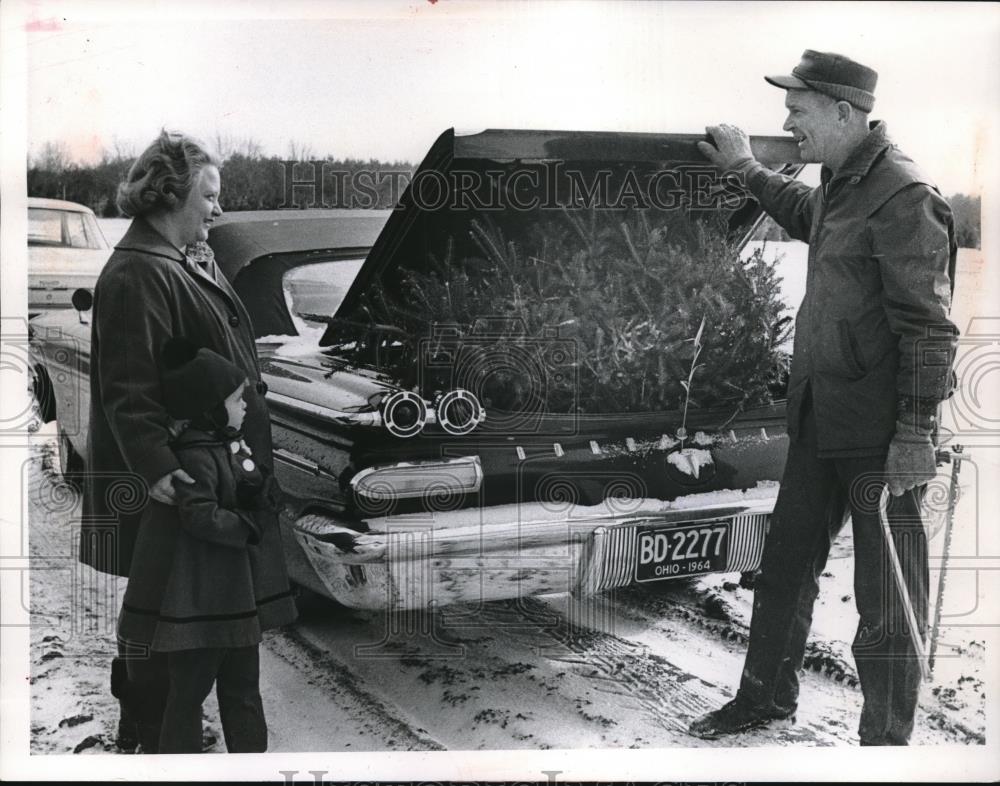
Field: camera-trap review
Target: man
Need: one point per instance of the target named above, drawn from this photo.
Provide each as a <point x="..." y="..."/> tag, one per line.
<point x="871" y="363"/>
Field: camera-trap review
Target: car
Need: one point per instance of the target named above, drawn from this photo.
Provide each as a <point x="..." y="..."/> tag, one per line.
<point x="427" y="461"/>
<point x="66" y="251"/>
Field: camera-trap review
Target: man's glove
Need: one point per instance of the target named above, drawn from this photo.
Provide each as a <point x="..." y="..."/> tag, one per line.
<point x="731" y="147"/>
<point x="911" y="460"/>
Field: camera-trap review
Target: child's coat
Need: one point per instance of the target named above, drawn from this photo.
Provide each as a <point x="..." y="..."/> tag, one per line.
<point x="218" y="579"/>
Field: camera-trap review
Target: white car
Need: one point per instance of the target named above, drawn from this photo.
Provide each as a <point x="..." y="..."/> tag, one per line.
<point x="66" y="251"/>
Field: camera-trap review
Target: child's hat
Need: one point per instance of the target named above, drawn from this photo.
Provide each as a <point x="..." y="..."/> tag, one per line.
<point x="195" y="379"/>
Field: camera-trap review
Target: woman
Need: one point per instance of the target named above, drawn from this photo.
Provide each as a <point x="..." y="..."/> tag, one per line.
<point x="160" y="282"/>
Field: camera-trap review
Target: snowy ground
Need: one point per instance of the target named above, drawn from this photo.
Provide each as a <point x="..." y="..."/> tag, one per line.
<point x="625" y="670"/>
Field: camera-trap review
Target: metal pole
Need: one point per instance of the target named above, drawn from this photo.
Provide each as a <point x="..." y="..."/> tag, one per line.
<point x="904" y="592"/>
<point x="955" y="457"/>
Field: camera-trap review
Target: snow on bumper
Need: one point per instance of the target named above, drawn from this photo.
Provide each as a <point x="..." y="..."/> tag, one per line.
<point x="419" y="560"/>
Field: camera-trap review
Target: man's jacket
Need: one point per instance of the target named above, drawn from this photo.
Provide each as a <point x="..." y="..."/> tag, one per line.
<point x="872" y="333"/>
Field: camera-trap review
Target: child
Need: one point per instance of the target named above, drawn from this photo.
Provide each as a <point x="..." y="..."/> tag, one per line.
<point x="208" y="575"/>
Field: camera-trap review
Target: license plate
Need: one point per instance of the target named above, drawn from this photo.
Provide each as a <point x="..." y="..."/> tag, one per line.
<point x="682" y="551"/>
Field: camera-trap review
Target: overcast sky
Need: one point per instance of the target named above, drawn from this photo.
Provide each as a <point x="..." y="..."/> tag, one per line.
<point x="383" y="79"/>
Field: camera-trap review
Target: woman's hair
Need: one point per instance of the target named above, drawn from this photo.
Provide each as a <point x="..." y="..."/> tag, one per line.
<point x="162" y="177"/>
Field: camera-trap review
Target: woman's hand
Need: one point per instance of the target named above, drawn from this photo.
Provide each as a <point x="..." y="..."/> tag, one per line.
<point x="163" y="489"/>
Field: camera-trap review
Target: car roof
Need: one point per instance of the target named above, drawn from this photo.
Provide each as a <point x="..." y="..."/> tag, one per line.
<point x="240" y="237"/>
<point x="58" y="204"/>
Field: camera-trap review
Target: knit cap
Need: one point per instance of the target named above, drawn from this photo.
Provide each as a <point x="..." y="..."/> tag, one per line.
<point x="195" y="380"/>
<point x="834" y="75"/>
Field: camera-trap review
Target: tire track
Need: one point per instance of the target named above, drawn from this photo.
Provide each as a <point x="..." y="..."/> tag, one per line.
<point x="667" y="694"/>
<point x="487" y="689"/>
<point x="710" y="614"/>
<point x="338" y="684"/>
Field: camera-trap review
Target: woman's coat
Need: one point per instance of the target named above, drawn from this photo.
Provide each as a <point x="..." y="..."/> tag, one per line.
<point x="148" y="292"/>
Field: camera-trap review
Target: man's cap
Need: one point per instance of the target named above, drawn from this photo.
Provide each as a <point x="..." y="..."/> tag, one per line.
<point x="195" y="379"/>
<point x="834" y="75"/>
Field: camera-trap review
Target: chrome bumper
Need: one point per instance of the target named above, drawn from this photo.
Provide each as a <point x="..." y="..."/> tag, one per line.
<point x="412" y="564"/>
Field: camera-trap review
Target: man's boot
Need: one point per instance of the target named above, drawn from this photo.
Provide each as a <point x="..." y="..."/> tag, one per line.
<point x="735" y="717"/>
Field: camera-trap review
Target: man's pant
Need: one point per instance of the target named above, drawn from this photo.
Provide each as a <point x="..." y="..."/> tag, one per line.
<point x="815" y="496"/>
<point x="236" y="674"/>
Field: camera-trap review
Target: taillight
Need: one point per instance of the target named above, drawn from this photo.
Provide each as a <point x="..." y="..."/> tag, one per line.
<point x="404" y="413"/>
<point x="459" y="412"/>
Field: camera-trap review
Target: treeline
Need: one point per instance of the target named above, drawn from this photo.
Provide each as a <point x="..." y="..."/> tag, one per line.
<point x="253" y="181"/>
<point x="250" y="180"/>
<point x="968" y="212"/>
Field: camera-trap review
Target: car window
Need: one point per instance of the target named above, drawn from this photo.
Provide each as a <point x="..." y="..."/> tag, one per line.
<point x="76" y="233"/>
<point x="44" y="227"/>
<point x="53" y="227"/>
<point x="289" y="302"/>
<point x="317" y="290"/>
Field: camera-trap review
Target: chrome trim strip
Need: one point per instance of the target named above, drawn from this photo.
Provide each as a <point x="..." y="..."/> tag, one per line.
<point x="474" y="461"/>
<point x="303" y="407"/>
<point x="301" y="462"/>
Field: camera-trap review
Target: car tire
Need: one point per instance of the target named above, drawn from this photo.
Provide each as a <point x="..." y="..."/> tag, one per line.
<point x="41" y="388"/>
<point x="311" y="604"/>
<point x="70" y="462"/>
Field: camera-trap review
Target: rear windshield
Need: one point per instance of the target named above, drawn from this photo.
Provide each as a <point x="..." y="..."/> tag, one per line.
<point x="316" y="291"/>
<point x="66" y="228"/>
<point x="286" y="299"/>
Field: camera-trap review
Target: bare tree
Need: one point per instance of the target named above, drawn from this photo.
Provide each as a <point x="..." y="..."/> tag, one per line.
<point x="122" y="150"/>
<point x="299" y="152"/>
<point x="251" y="148"/>
<point x="53" y="157"/>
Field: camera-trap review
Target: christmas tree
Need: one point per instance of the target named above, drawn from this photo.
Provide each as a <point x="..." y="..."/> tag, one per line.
<point x="626" y="290"/>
